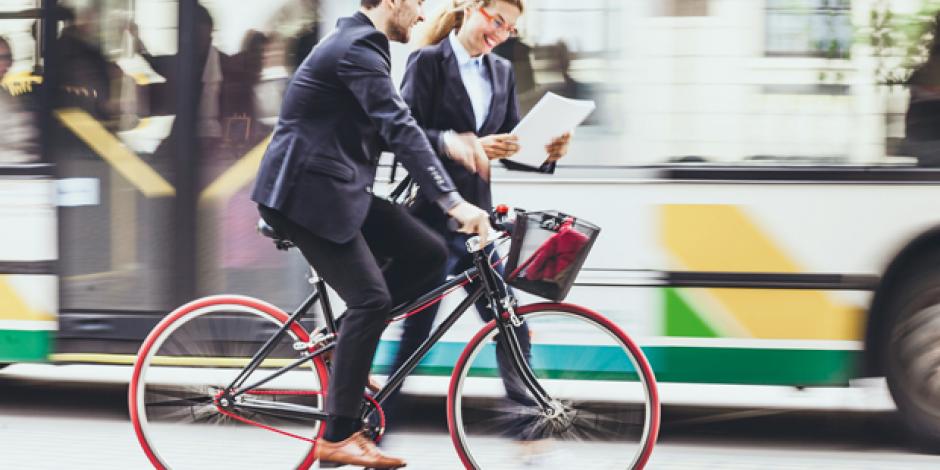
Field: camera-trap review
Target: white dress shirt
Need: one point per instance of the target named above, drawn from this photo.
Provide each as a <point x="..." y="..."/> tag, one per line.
<point x="475" y="78"/>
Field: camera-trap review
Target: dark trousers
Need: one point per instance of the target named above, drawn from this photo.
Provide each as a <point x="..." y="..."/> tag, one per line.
<point x="413" y="257"/>
<point x="417" y="328"/>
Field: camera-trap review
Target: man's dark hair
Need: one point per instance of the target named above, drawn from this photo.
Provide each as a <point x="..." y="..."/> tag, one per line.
<point x="367" y="4"/>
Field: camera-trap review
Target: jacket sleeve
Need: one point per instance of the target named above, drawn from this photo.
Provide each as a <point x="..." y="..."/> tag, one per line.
<point x="417" y="90"/>
<point x="512" y="119"/>
<point x="365" y="70"/>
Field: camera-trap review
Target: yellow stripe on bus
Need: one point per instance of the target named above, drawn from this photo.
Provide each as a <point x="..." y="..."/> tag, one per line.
<point x="237" y="176"/>
<point x="703" y="237"/>
<point x="13" y="307"/>
<point x="113" y="151"/>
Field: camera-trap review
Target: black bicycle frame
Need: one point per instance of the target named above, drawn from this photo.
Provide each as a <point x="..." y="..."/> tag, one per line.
<point x="269" y="345"/>
<point x="495" y="289"/>
<point x="395" y="380"/>
<point x="491" y="286"/>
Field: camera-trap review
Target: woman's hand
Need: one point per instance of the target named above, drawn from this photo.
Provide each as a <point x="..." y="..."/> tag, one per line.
<point x="465" y="149"/>
<point x="499" y="146"/>
<point x="558" y="148"/>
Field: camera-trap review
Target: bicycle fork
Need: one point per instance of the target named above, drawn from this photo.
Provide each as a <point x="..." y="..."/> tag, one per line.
<point x="502" y="304"/>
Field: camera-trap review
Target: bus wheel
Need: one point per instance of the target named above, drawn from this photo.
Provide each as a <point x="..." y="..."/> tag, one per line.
<point x="913" y="356"/>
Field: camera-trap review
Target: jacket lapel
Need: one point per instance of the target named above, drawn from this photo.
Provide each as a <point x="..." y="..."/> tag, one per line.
<point x="455" y="82"/>
<point x="493" y="118"/>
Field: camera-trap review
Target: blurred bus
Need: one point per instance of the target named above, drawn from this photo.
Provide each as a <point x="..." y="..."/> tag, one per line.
<point x="761" y="171"/>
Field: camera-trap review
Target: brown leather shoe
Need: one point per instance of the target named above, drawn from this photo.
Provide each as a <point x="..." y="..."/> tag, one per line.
<point x="356" y="450"/>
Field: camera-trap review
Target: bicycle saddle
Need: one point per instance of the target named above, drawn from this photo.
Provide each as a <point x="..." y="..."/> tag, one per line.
<point x="280" y="241"/>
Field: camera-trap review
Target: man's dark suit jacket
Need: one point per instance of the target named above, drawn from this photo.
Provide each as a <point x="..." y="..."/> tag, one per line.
<point x="434" y="90"/>
<point x="340" y="111"/>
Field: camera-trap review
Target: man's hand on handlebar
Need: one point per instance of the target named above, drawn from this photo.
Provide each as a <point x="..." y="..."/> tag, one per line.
<point x="472" y="220"/>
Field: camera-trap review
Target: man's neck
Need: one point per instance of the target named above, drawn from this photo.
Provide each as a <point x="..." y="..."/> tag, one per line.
<point x="378" y="17"/>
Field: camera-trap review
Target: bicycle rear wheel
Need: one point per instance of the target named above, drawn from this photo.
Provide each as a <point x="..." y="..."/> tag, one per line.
<point x="190" y="357"/>
<point x="605" y="404"/>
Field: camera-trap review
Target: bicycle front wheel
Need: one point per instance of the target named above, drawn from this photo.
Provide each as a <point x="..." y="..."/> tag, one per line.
<point x="191" y="357"/>
<point x="604" y="411"/>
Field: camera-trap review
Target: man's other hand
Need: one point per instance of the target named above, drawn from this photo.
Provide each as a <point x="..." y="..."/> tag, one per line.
<point x="465" y="149"/>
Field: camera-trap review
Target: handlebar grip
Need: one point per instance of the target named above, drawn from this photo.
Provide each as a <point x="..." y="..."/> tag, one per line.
<point x="499" y="220"/>
<point x="473" y="243"/>
<point x="499" y="224"/>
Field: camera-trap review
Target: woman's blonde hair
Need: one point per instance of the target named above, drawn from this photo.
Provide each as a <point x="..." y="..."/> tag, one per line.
<point x="450" y="18"/>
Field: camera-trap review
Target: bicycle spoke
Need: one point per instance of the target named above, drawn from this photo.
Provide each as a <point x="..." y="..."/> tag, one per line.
<point x="188" y="363"/>
<point x="600" y="409"/>
<point x="181" y="402"/>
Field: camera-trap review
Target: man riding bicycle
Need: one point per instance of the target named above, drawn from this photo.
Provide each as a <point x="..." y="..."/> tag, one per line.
<point x="340" y="111"/>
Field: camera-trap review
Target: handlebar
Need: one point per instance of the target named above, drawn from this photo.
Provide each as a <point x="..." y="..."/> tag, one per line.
<point x="473" y="244"/>
<point x="501" y="225"/>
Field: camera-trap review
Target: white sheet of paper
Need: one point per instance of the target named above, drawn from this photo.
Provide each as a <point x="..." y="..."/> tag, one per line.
<point x="551" y="117"/>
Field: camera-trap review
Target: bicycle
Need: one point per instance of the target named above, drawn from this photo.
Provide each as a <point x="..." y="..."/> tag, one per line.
<point x="190" y="389"/>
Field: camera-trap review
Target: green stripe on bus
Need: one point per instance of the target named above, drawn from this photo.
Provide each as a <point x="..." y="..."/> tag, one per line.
<point x="809" y="367"/>
<point x="24" y="346"/>
<point x="682" y="319"/>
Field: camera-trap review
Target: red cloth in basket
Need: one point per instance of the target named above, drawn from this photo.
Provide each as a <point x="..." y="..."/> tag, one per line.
<point x="555" y="255"/>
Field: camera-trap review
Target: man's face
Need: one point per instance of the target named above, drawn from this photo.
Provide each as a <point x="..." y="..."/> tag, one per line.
<point x="6" y="59"/>
<point x="406" y="15"/>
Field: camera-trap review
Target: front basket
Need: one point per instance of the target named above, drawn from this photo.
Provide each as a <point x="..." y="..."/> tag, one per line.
<point x="547" y="251"/>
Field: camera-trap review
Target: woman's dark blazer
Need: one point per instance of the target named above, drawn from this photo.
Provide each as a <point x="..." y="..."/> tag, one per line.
<point x="434" y="91"/>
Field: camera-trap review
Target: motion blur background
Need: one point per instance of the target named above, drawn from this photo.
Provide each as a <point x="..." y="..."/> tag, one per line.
<point x="767" y="167"/>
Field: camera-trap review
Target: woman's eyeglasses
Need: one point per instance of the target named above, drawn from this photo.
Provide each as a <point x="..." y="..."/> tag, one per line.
<point x="500" y="23"/>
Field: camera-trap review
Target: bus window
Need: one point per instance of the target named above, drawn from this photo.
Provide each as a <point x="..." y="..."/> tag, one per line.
<point x="27" y="188"/>
<point x="245" y="74"/>
<point x="19" y="79"/>
<point x="780" y="82"/>
<point x="114" y="112"/>
<point x="579" y="63"/>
